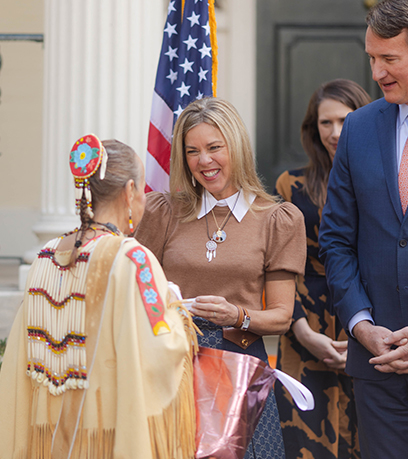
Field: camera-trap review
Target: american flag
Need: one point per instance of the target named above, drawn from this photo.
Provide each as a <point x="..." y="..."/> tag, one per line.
<point x="184" y="74"/>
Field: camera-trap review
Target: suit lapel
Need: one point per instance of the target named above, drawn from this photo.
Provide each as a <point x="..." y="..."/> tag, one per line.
<point x="386" y="125"/>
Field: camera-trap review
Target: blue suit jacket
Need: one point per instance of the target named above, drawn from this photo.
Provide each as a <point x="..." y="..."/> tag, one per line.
<point x="363" y="235"/>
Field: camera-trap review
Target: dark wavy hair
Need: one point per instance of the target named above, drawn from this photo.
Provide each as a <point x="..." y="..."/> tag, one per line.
<point x="318" y="169"/>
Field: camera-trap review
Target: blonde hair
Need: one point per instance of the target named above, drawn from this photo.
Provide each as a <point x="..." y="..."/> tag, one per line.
<point x="223" y="116"/>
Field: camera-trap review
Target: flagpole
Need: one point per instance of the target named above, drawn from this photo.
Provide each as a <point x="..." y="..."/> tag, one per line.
<point x="214" y="45"/>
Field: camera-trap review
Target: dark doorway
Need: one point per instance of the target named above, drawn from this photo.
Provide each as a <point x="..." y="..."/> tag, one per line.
<point x="301" y="44"/>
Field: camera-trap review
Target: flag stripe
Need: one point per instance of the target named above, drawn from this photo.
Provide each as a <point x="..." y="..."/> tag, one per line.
<point x="156" y="178"/>
<point x="159" y="148"/>
<point x="162" y="116"/>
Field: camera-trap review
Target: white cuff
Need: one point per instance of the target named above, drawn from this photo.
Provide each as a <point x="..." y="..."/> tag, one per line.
<point x="364" y="314"/>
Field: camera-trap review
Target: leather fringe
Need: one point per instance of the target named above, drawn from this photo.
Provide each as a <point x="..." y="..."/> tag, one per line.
<point x="177" y="423"/>
<point x="90" y="444"/>
<point x="172" y="434"/>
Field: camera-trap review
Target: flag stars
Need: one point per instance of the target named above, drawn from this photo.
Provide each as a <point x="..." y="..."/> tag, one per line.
<point x="179" y="111"/>
<point x="170" y="29"/>
<point x="172" y="53"/>
<point x="194" y="19"/>
<point x="187" y="66"/>
<point x="205" y="51"/>
<point x="201" y="75"/>
<point x="171" y="7"/>
<point x="190" y="42"/>
<point x="184" y="90"/>
<point x="200" y="95"/>
<point x="206" y="28"/>
<point x="172" y="76"/>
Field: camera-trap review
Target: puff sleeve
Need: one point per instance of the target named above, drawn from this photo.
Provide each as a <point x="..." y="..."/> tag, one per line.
<point x="286" y="247"/>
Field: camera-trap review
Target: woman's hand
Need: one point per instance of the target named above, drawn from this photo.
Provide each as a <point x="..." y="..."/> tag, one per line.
<point x="275" y="319"/>
<point x="332" y="353"/>
<point x="215" y="309"/>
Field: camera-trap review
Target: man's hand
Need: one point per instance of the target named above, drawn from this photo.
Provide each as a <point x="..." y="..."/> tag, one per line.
<point x="372" y="337"/>
<point x="395" y="361"/>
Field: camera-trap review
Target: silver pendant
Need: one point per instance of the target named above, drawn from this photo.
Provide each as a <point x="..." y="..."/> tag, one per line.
<point x="219" y="236"/>
<point x="211" y="250"/>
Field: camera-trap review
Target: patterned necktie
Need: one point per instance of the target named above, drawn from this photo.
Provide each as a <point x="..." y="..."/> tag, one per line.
<point x="403" y="179"/>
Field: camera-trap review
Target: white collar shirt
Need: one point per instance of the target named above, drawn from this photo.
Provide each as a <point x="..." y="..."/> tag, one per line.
<point x="239" y="207"/>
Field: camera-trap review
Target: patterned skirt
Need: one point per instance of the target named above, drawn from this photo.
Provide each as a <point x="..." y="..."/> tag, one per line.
<point x="267" y="442"/>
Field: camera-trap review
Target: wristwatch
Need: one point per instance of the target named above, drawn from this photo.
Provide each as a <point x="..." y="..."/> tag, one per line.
<point x="247" y="320"/>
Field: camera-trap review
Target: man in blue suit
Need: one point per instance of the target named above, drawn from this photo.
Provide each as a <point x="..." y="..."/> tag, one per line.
<point x="364" y="239"/>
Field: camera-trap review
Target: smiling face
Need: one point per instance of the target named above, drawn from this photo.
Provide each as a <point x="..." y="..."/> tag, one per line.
<point x="389" y="64"/>
<point x="330" y="119"/>
<point x="209" y="161"/>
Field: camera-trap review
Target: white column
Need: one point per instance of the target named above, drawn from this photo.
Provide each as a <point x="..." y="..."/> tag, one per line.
<point x="99" y="69"/>
<point x="236" y="32"/>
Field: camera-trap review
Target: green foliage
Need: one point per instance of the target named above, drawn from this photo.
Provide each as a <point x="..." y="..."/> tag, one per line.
<point x="2" y="349"/>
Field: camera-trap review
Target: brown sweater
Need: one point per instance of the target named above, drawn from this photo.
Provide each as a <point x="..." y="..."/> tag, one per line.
<point x="264" y="241"/>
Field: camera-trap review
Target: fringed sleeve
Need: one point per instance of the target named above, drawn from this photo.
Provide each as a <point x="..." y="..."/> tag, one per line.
<point x="155" y="379"/>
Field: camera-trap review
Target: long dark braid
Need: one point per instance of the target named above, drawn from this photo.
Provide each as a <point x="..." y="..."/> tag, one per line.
<point x="86" y="221"/>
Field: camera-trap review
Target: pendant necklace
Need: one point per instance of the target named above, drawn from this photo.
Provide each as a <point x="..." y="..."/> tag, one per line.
<point x="218" y="236"/>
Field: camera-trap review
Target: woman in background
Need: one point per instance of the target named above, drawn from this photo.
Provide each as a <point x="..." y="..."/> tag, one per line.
<point x="314" y="350"/>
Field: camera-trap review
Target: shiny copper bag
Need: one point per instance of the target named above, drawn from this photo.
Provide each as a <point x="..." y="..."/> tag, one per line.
<point x="231" y="391"/>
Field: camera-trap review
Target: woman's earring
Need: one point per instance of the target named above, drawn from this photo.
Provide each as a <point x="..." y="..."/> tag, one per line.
<point x="193" y="181"/>
<point x="130" y="220"/>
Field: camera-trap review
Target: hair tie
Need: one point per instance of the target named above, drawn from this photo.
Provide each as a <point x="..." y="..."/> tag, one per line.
<point x="78" y="244"/>
<point x="86" y="156"/>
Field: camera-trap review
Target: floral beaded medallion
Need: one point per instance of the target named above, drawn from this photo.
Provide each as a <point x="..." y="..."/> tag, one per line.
<point x="86" y="156"/>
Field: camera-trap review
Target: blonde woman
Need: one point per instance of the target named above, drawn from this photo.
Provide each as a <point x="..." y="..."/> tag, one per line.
<point x="223" y="240"/>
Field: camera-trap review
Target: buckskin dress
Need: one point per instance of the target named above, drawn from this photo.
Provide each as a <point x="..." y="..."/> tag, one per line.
<point x="131" y="368"/>
<point x="330" y="430"/>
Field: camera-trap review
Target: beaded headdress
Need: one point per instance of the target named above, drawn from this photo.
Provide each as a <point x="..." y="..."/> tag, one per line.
<point x="87" y="155"/>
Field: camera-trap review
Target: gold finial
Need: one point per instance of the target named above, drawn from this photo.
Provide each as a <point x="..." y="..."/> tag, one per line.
<point x="370" y="3"/>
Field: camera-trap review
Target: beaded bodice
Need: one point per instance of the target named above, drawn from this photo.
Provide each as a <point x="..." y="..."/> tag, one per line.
<point x="56" y="320"/>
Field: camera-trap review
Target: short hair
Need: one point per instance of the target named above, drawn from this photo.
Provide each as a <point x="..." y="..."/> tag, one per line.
<point x="388" y="18"/>
<point x="317" y="172"/>
<point x="223" y="116"/>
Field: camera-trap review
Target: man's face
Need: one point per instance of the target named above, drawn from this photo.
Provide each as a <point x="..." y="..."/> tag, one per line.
<point x="389" y="64"/>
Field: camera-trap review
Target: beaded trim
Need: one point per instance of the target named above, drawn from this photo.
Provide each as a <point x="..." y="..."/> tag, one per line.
<point x="56" y="304"/>
<point x="56" y="321"/>
<point x="47" y="253"/>
<point x="148" y="290"/>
